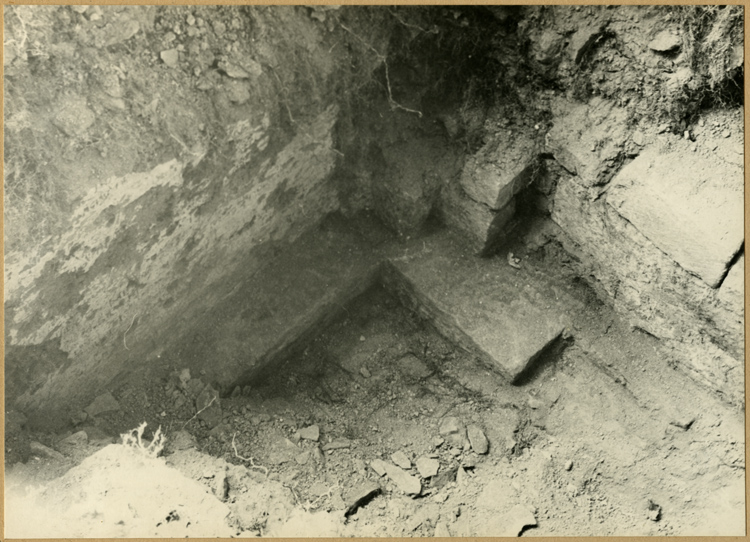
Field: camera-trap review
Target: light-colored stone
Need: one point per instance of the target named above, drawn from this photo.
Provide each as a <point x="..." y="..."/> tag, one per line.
<point x="405" y="482"/>
<point x="170" y="57"/>
<point x="427" y="466"/>
<point x="502" y="168"/>
<point x="665" y="41"/>
<point x="400" y="459"/>
<point x="311" y="432"/>
<point x="478" y="440"/>
<point x="689" y="206"/>
<point x="379" y="466"/>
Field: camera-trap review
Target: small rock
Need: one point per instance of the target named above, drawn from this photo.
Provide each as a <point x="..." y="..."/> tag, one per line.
<point x="40" y="450"/>
<point x="170" y="57"/>
<point x="359" y="496"/>
<point x="684" y="423"/>
<point x="400" y="459"/>
<point x="104" y="403"/>
<point x="337" y="444"/>
<point x="535" y="403"/>
<point x="303" y="458"/>
<point x="184" y="377"/>
<point x="437" y="442"/>
<point x="180" y="440"/>
<point x="236" y="392"/>
<point x="726" y="133"/>
<point x="79" y="9"/>
<point x="427" y="467"/>
<point x="664" y="42"/>
<point x="190" y="20"/>
<point x="364" y="372"/>
<point x="405" y="482"/>
<point x="517" y="519"/>
<point x="478" y="440"/>
<point x="362" y="338"/>
<point x="247" y="391"/>
<point x="469" y="462"/>
<point x="79" y="417"/>
<point x="311" y="432"/>
<point x="568" y="465"/>
<point x="220" y="485"/>
<point x="638" y="138"/>
<point x="74" y="116"/>
<point x="441" y="530"/>
<point x="701" y="122"/>
<point x="219" y="28"/>
<point x="208" y="404"/>
<point x="461" y="476"/>
<point x="413" y="367"/>
<point x="378" y="465"/>
<point x="663" y="128"/>
<point x="686" y="134"/>
<point x="654" y="510"/>
<point x="80" y="438"/>
<point x="453" y="431"/>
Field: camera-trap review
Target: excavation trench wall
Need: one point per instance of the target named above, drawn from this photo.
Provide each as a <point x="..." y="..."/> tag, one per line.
<point x="157" y="158"/>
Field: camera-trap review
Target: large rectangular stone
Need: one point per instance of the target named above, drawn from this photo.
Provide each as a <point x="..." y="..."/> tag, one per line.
<point x="503" y="167"/>
<point x="478" y="304"/>
<point x="689" y="205"/>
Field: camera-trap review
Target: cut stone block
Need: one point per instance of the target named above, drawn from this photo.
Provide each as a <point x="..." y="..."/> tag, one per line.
<point x="588" y="139"/>
<point x="483" y="226"/>
<point x="508" y="330"/>
<point x="688" y="205"/>
<point x="501" y="169"/>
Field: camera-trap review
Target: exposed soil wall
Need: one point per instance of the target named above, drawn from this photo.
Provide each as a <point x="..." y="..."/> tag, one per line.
<point x="155" y="156"/>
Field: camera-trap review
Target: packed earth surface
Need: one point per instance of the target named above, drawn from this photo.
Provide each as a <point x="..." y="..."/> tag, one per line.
<point x="374" y="271"/>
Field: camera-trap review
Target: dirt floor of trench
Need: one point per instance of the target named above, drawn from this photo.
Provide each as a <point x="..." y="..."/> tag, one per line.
<point x="603" y="438"/>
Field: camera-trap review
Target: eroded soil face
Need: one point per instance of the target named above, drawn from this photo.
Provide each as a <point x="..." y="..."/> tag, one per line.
<point x="600" y="438"/>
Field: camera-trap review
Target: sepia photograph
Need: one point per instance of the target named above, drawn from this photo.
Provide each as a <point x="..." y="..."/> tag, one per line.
<point x="374" y="271"/>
